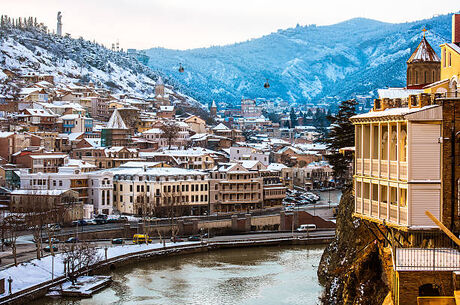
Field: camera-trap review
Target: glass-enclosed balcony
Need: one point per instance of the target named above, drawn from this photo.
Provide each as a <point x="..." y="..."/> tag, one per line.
<point x="381" y="150"/>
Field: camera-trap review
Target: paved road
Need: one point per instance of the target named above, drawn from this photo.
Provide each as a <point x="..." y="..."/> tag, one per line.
<point x="27" y="251"/>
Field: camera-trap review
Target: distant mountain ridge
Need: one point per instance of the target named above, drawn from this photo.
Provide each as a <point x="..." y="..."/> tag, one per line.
<point x="303" y="64"/>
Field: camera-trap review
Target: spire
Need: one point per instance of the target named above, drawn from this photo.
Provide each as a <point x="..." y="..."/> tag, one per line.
<point x="424" y="52"/>
<point x="213" y="105"/>
<point x="116" y="122"/>
<point x="160" y="81"/>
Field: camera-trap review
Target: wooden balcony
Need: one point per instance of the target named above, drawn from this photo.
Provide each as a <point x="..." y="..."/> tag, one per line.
<point x="375" y="168"/>
<point x="375" y="208"/>
<point x="383" y="210"/>
<point x="393" y="213"/>
<point x="367" y="167"/>
<point x="366" y="203"/>
<point x="384" y="168"/>
<point x="359" y="205"/>
<point x="403" y="171"/>
<point x="359" y="167"/>
<point x="394" y="170"/>
<point x="388" y="169"/>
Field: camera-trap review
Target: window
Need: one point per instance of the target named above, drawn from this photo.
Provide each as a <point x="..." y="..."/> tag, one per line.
<point x="121" y="198"/>
<point x="131" y="199"/>
<point x="60" y="182"/>
<point x="131" y="188"/>
<point x="138" y="188"/>
<point x="121" y="187"/>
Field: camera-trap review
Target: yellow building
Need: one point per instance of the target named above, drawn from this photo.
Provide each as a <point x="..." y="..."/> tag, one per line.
<point x="450" y="64"/>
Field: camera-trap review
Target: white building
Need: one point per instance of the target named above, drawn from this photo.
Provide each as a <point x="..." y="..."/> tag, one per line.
<point x="240" y="153"/>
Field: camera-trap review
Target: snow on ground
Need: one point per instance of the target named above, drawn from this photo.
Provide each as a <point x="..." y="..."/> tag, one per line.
<point x="36" y="271"/>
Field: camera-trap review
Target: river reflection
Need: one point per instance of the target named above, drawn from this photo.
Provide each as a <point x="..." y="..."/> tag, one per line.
<point x="249" y="276"/>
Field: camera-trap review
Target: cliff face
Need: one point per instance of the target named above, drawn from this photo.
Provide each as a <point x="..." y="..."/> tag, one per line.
<point x="351" y="269"/>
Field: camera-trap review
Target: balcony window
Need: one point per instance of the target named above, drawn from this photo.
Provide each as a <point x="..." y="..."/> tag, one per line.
<point x="403" y="143"/>
<point x="384" y="145"/>
<point x="366" y="142"/>
<point x="366" y="194"/>
<point x="375" y="142"/>
<point x="375" y="192"/>
<point x="393" y="195"/>
<point x="403" y="197"/>
<point x="383" y="193"/>
<point x="393" y="143"/>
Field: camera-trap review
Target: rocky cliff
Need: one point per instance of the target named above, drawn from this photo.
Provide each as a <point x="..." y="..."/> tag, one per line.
<point x="351" y="269"/>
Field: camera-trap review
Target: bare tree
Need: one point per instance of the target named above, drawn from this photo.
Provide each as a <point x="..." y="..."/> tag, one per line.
<point x="14" y="224"/>
<point x="79" y="257"/>
<point x="170" y="132"/>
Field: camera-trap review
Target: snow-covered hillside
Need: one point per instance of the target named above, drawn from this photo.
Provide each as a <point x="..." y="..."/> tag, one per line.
<point x="77" y="60"/>
<point x="305" y="63"/>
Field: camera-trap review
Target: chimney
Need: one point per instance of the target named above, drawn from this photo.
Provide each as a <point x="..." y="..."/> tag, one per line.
<point x="456" y="28"/>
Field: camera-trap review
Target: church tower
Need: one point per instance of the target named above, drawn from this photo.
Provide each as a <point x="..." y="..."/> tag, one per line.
<point x="213" y="109"/>
<point x="160" y="87"/>
<point x="424" y="66"/>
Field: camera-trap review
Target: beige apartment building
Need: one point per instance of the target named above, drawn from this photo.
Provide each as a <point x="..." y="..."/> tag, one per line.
<point x="146" y="190"/>
<point x="234" y="188"/>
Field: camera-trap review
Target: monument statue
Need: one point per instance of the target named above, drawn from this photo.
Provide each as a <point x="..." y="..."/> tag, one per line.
<point x="59" y="24"/>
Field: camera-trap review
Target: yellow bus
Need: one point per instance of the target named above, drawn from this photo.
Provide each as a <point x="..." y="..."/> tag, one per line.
<point x="140" y="238"/>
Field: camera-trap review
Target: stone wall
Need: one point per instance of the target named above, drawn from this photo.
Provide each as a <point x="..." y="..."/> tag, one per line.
<point x="409" y="283"/>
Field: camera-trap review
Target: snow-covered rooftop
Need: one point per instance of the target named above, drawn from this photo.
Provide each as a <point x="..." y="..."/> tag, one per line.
<point x="116" y="121"/>
<point x="392" y="93"/>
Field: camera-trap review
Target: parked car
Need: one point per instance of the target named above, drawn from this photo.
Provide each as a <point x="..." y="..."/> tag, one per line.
<point x="52" y="227"/>
<point x="91" y="222"/>
<point x="53" y="240"/>
<point x="80" y="222"/>
<point x="101" y="219"/>
<point x="194" y="238"/>
<point x="71" y="240"/>
<point x="206" y="235"/>
<point x="176" y="239"/>
<point x="48" y="248"/>
<point x="117" y="241"/>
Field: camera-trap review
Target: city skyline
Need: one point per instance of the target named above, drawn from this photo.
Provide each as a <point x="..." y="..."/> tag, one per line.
<point x="186" y="25"/>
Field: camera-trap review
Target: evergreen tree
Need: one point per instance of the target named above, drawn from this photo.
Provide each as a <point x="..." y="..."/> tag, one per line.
<point x="342" y="134"/>
<point x="293" y="118"/>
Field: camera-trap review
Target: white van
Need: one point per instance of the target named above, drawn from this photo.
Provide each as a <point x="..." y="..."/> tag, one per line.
<point x="307" y="228"/>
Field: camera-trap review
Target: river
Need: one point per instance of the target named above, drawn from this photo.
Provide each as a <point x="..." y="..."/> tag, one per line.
<point x="248" y="276"/>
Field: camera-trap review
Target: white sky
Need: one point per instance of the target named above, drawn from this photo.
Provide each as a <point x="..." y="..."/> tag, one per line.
<point x="184" y="24"/>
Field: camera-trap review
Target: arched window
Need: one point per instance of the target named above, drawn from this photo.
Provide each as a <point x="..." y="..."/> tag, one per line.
<point x="444" y="58"/>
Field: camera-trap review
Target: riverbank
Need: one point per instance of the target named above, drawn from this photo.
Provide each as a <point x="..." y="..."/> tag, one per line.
<point x="282" y="275"/>
<point x="34" y="278"/>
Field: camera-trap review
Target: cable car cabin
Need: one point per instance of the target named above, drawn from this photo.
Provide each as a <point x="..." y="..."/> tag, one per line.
<point x="266" y="85"/>
<point x="181" y="69"/>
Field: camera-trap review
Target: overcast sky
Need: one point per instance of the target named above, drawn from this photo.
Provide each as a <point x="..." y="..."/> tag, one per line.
<point x="184" y="24"/>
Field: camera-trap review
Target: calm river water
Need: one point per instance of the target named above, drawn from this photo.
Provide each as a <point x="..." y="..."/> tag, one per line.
<point x="249" y="276"/>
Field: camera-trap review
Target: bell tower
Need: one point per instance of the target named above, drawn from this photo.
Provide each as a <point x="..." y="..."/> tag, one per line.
<point x="424" y="66"/>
